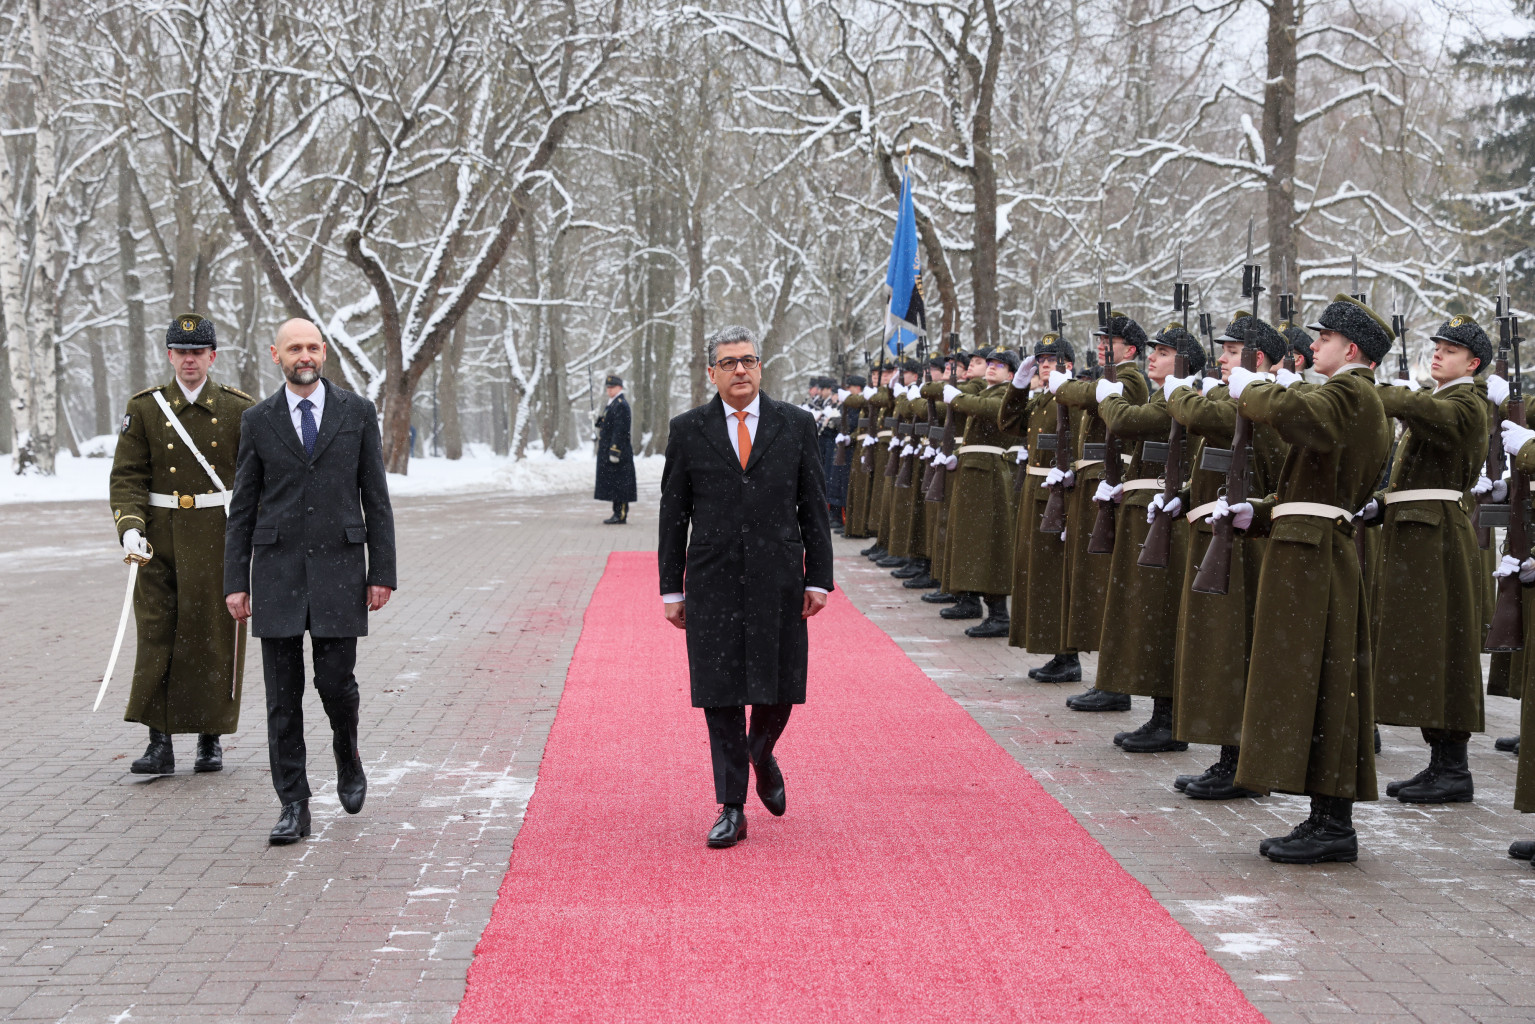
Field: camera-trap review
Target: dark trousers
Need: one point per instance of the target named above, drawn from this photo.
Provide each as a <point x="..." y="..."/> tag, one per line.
<point x="1445" y="736"/>
<point x="734" y="751"/>
<point x="283" y="666"/>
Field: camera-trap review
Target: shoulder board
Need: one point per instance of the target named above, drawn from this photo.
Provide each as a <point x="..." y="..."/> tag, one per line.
<point x="149" y="390"/>
<point x="237" y="391"/>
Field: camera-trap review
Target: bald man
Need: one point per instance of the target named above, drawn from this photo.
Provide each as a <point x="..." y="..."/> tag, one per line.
<point x="309" y="548"/>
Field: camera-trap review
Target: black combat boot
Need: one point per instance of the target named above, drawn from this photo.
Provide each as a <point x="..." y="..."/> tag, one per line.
<point x="1377" y="739"/>
<point x="1434" y="752"/>
<point x="1331" y="836"/>
<point x="159" y="758"/>
<point x="997" y="622"/>
<point x="1506" y="744"/>
<point x="210" y="754"/>
<point x="874" y="552"/>
<point x="620" y="513"/>
<point x="1522" y="849"/>
<point x="1099" y="700"/>
<point x="1181" y="782"/>
<point x="1298" y="832"/>
<point x="968" y="606"/>
<point x="1449" y="784"/>
<point x="1063" y="668"/>
<point x="941" y="597"/>
<point x="1219" y="783"/>
<point x="1156" y="736"/>
<point x="911" y="570"/>
<point x="893" y="562"/>
<point x="924" y="581"/>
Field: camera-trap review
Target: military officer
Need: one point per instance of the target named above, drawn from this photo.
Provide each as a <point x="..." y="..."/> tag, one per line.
<point x="175" y="460"/>
<point x="876" y="451"/>
<point x="615" y="454"/>
<point x="1306" y="725"/>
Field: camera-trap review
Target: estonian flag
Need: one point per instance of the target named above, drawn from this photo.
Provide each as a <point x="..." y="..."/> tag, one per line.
<point x="905" y="319"/>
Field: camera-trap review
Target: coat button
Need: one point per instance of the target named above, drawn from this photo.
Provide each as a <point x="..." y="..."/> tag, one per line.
<point x="745" y="528"/>
<point x="215" y="419"/>
<point x="170" y="446"/>
<point x="311" y="551"/>
<point x="173" y="469"/>
<point x="309" y="511"/>
<point x="215" y="444"/>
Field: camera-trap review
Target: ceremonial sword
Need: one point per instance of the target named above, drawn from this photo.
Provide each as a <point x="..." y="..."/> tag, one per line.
<point x="134" y="561"/>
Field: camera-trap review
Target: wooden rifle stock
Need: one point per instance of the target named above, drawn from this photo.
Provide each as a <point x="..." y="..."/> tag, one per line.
<point x="1157" y="550"/>
<point x="1495" y="463"/>
<point x="1101" y="542"/>
<point x="1507" y="630"/>
<point x="939" y="484"/>
<point x="1214" y="575"/>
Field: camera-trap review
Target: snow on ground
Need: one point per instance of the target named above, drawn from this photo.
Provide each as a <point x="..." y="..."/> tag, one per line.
<point x="85" y="478"/>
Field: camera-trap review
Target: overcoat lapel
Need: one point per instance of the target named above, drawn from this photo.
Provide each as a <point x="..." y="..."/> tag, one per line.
<point x="714" y="431"/>
<point x="770" y="420"/>
<point x="330" y="423"/>
<point x="282" y="422"/>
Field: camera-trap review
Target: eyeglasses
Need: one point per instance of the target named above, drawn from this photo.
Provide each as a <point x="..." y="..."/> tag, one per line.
<point x="729" y="363"/>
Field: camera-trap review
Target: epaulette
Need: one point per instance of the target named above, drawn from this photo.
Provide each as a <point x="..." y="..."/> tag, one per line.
<point x="148" y="391"/>
<point x="237" y="391"/>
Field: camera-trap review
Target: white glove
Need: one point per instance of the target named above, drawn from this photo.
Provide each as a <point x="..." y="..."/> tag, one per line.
<point x="1241" y="513"/>
<point x="1527" y="571"/>
<point x="1238" y="380"/>
<point x="1023" y="456"/>
<point x="135" y="544"/>
<point x="1107" y="388"/>
<point x="1105" y="493"/>
<point x="1063" y="536"/>
<point x="842" y="394"/>
<point x="1287" y="377"/>
<point x="843" y="439"/>
<point x="1409" y="384"/>
<point x="1497" y="389"/>
<point x="936" y="456"/>
<point x="950" y="392"/>
<point x="1057" y="378"/>
<point x="914" y="391"/>
<point x="870" y="441"/>
<point x="907" y="449"/>
<point x="1208" y="383"/>
<point x="1171" y="384"/>
<point x="1370" y="511"/>
<point x="1507" y="566"/>
<point x="1159" y="502"/>
<point x="1056" y="478"/>
<point x="894" y="443"/>
<point x="1515" y="437"/>
<point x="952" y="462"/>
<point x="1025" y="373"/>
<point x="1481" y="487"/>
<point x="1500" y="490"/>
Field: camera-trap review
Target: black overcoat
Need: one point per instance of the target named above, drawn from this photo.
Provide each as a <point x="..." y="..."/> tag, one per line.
<point x="615" y="480"/>
<point x="308" y="535"/>
<point x="759" y="537"/>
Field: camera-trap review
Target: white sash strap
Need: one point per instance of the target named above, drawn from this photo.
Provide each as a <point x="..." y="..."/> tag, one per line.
<point x="983" y="449"/>
<point x="1311" y="508"/>
<point x="1198" y="513"/>
<point x="1144" y="483"/>
<point x="1039" y="470"/>
<point x="1084" y="463"/>
<point x="186" y="439"/>
<point x="1424" y="494"/>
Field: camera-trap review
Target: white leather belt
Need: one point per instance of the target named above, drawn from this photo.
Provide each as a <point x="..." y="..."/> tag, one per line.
<point x="983" y="449"/>
<point x="883" y="433"/>
<point x="1424" y="494"/>
<point x="214" y="500"/>
<point x="1039" y="470"/>
<point x="1144" y="483"/>
<point x="1312" y="508"/>
<point x="1084" y="463"/>
<point x="1017" y="448"/>
<point x="1198" y="513"/>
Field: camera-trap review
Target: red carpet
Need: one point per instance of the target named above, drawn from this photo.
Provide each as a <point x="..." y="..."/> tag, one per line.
<point x="919" y="875"/>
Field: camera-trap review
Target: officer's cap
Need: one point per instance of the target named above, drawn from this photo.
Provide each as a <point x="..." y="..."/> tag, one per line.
<point x="615" y="381"/>
<point x="856" y="380"/>
<point x="1467" y="333"/>
<point x="1174" y="336"/>
<point x="1053" y="344"/>
<point x="190" y="331"/>
<point x="1359" y="324"/>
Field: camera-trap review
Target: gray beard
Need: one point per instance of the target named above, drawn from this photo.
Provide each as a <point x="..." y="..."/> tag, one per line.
<point x="301" y="375"/>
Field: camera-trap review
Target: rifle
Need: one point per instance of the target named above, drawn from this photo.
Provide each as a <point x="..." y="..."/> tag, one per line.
<point x="1156" y="551"/>
<point x="908" y="462"/>
<point x="1054" y="518"/>
<point x="1286" y="310"/>
<point x="1507" y="630"/>
<point x="1101" y="542"/>
<point x="939" y="482"/>
<point x="1214" y="576"/>
<point x="870" y="410"/>
<point x="1487" y="515"/>
<point x="932" y="431"/>
<point x="1207" y="328"/>
<point x="1359" y="545"/>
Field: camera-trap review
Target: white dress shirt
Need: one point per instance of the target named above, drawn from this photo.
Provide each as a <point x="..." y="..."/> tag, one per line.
<point x="191" y="395"/>
<point x="297" y="414"/>
<point x="753" y="414"/>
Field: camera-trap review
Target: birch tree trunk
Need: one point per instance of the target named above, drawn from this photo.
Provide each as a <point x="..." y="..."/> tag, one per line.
<point x="18" y="347"/>
<point x="43" y="285"/>
<point x="448" y="394"/>
<point x="133" y="288"/>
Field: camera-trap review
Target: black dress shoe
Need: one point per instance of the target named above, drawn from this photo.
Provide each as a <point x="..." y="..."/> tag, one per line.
<point x="1507" y="744"/>
<point x="921" y="582"/>
<point x="292" y="825"/>
<point x="612" y="519"/>
<point x="968" y="606"/>
<point x="1522" y="849"/>
<point x="1099" y="700"/>
<point x="770" y="787"/>
<point x="941" y="597"/>
<point x="351" y="781"/>
<point x="158" y="759"/>
<point x="210" y="754"/>
<point x="1067" y="669"/>
<point x="729" y="829"/>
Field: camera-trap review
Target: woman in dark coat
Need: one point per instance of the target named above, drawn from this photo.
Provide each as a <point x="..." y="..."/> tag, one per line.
<point x="615" y="455"/>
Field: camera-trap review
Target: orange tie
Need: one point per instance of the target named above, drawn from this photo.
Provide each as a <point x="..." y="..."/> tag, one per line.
<point x="743" y="437"/>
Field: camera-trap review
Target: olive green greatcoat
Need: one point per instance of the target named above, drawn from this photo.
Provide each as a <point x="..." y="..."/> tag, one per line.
<point x="1140" y="610"/>
<point x="1307" y="723"/>
<point x="918" y="529"/>
<point x="1088" y="574"/>
<point x="1040" y="579"/>
<point x="946" y="542"/>
<point x="932" y="511"/>
<point x="903" y="499"/>
<point x="1215" y="631"/>
<point x="186" y="638"/>
<point x="1428" y="604"/>
<point x="980" y="557"/>
<point x="880" y="406"/>
<point x="1524" y="781"/>
<point x="856" y="514"/>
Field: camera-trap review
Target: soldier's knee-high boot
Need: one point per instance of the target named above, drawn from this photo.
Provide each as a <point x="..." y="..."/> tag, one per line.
<point x="1450" y="783"/>
<point x="1219" y="782"/>
<point x="997" y="620"/>
<point x="1156" y="735"/>
<point x="1328" y="835"/>
<point x="159" y="758"/>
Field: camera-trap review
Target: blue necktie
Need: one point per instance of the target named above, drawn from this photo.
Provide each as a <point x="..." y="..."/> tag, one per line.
<point x="307" y="426"/>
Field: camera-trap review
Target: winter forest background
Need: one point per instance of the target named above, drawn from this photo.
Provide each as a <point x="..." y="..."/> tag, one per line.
<point x="488" y="205"/>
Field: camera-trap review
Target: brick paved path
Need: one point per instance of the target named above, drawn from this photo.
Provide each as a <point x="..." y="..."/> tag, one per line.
<point x="123" y="898"/>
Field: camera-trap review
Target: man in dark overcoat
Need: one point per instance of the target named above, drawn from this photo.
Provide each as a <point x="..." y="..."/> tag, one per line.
<point x="309" y="548"/>
<point x="745" y="559"/>
<point x="615" y="453"/>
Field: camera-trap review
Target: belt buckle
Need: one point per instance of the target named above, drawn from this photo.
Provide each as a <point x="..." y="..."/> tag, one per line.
<point x="186" y="501"/>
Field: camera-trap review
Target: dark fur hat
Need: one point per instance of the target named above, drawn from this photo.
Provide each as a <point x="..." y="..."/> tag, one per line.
<point x="1467" y="333"/>
<point x="1175" y="336"/>
<point x="1359" y="324"/>
<point x="1244" y="327"/>
<point x="1300" y="341"/>
<point x="1004" y="355"/>
<point x="1121" y="326"/>
<point x="190" y="331"/>
<point x="856" y="380"/>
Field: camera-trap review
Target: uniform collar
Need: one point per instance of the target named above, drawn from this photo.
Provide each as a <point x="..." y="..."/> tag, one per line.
<point x="1452" y="383"/>
<point x="1347" y="367"/>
